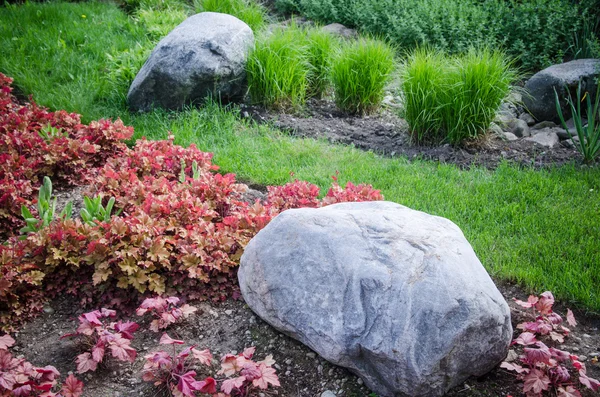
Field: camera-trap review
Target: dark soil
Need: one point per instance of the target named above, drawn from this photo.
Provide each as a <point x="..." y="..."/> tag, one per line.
<point x="387" y="134"/>
<point x="231" y="326"/>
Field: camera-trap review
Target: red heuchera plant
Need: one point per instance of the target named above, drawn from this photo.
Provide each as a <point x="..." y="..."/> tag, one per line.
<point x="545" y="368"/>
<point x="19" y="378"/>
<point x="115" y="336"/>
<point x="72" y="156"/>
<point x="172" y="237"/>
<point x="173" y="371"/>
<point x="165" y="311"/>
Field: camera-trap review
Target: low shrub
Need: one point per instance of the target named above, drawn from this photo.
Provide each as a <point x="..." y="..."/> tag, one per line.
<point x="359" y="74"/>
<point x="71" y="155"/>
<point x="249" y="11"/>
<point x="454" y="98"/>
<point x="166" y="311"/>
<point x="278" y="69"/>
<point x="525" y="29"/>
<point x="177" y="226"/>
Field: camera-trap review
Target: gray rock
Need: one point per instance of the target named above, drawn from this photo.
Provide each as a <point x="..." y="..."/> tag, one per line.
<point x="562" y="133"/>
<point x="509" y="136"/>
<point x="395" y="295"/>
<point x="546" y="137"/>
<point x="495" y="129"/>
<point x="544" y="124"/>
<point x="202" y="57"/>
<point x="541" y="102"/>
<point x="526" y="117"/>
<point x="571" y="123"/>
<point x="519" y="128"/>
<point x="503" y="119"/>
<point x="337" y="29"/>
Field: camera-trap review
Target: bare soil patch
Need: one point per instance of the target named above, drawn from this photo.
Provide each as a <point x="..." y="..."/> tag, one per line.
<point x="386" y="133"/>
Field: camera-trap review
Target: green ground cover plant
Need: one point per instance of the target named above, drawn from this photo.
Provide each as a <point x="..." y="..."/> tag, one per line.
<point x="525" y="29"/>
<point x="454" y="98"/>
<point x="359" y="74"/>
<point x="538" y="228"/>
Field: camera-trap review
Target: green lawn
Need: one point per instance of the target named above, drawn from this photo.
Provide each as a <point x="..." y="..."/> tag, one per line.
<point x="539" y="228"/>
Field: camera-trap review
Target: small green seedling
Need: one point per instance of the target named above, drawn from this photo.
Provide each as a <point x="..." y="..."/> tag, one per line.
<point x="95" y="211"/>
<point x="195" y="171"/>
<point x="46" y="210"/>
<point x="49" y="133"/>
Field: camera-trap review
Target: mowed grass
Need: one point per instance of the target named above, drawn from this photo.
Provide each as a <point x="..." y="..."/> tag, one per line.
<point x="538" y="228"/>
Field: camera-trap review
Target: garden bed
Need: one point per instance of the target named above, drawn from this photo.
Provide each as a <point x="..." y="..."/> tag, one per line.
<point x="387" y="134"/>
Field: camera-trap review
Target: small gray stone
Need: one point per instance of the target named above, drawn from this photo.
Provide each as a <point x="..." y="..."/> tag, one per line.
<point x="519" y="128"/>
<point x="340" y="30"/>
<point x="48" y="309"/>
<point x="562" y="133"/>
<point x="509" y="136"/>
<point x="546" y="137"/>
<point x="311" y="355"/>
<point x="328" y="393"/>
<point x="544" y="124"/>
<point x="512" y="356"/>
<point x="495" y="129"/>
<point x="582" y="358"/>
<point x="526" y="117"/>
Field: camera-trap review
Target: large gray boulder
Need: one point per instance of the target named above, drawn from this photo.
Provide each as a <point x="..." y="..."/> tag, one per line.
<point x="395" y="295"/>
<point x="541" y="103"/>
<point x="204" y="56"/>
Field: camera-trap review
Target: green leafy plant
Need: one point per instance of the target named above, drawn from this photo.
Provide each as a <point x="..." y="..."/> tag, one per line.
<point x="49" y="133"/>
<point x="95" y="211"/>
<point x="454" y="98"/>
<point x="359" y="74"/>
<point x="46" y="210"/>
<point x="278" y="69"/>
<point x="588" y="143"/>
<point x="249" y="11"/>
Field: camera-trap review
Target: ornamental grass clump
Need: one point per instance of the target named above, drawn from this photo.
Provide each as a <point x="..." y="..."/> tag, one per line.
<point x="478" y="82"/>
<point x="359" y="74"/>
<point x="454" y="98"/>
<point x="278" y="68"/>
<point x="251" y="12"/>
<point x="320" y="47"/>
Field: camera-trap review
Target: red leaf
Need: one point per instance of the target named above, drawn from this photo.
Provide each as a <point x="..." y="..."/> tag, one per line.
<point x="6" y="341"/>
<point x="85" y="363"/>
<point x="569" y="392"/>
<point x="126" y="329"/>
<point x="98" y="352"/>
<point x="268" y="376"/>
<point x="249" y="352"/>
<point x="72" y="387"/>
<point x="544" y="305"/>
<point x="526" y="338"/>
<point x="208" y="385"/>
<point x="571" y="318"/>
<point x="541" y="355"/>
<point x="121" y="349"/>
<point x="204" y="356"/>
<point x="536" y="381"/>
<point x="186" y="384"/>
<point x="514" y="367"/>
<point x="167" y="340"/>
<point x="531" y="301"/>
<point x="590" y="383"/>
<point x="231" y="384"/>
